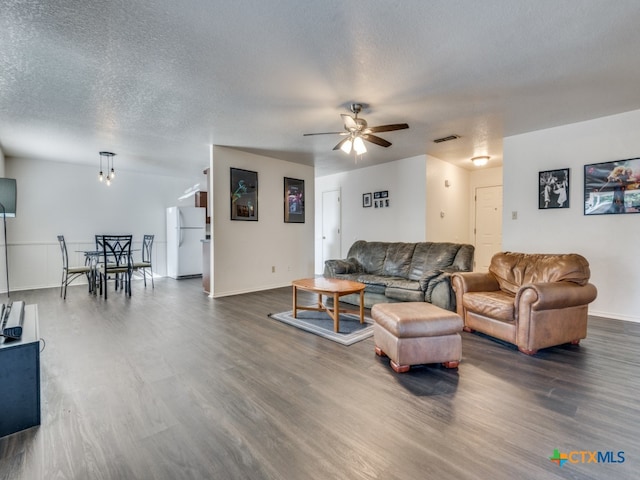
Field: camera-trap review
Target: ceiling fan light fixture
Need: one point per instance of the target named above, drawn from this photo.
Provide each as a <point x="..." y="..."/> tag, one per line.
<point x="358" y="146"/>
<point x="480" y="161"/>
<point x="357" y="131"/>
<point x="346" y="146"/>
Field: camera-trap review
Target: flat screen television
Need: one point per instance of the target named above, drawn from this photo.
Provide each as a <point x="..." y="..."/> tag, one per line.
<point x="8" y="195"/>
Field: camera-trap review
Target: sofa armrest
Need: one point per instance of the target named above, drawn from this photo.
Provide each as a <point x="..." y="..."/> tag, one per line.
<point x="426" y="279"/>
<point x="463" y="282"/>
<point x="438" y="291"/>
<point x="554" y="295"/>
<point x="334" y="267"/>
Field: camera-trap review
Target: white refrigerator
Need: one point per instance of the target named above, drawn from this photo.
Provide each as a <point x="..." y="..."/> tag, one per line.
<point x="185" y="230"/>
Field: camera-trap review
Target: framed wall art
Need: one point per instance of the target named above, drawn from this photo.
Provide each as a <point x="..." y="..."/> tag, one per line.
<point x="293" y="200"/>
<point x="553" y="189"/>
<point x="612" y="187"/>
<point x="366" y="200"/>
<point x="381" y="199"/>
<point x="244" y="195"/>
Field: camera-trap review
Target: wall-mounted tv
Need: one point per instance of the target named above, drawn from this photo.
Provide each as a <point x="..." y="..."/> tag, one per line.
<point x="8" y="195"/>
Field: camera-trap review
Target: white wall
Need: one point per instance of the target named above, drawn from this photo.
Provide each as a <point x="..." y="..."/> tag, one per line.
<point x="244" y="252"/>
<point x="447" y="208"/>
<point x="60" y="198"/>
<point x="609" y="242"/>
<point x="404" y="219"/>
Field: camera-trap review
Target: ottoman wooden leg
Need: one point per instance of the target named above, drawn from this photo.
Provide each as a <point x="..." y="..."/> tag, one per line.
<point x="450" y="364"/>
<point x="379" y="352"/>
<point x="399" y="368"/>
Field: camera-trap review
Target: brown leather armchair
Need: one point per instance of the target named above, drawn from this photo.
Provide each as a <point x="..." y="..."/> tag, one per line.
<point x="531" y="300"/>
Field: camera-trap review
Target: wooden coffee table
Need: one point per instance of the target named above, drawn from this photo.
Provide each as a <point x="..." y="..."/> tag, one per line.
<point x="332" y="287"/>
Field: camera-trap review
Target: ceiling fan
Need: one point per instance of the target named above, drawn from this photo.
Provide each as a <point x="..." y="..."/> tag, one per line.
<point x="357" y="130"/>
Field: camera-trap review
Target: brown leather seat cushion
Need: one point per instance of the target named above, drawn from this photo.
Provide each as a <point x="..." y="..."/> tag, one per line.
<point x="416" y="319"/>
<point x="495" y="304"/>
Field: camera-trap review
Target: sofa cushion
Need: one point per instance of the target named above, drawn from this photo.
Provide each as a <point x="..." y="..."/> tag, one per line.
<point x="403" y="290"/>
<point x="512" y="270"/>
<point x="464" y="258"/>
<point x="403" y="283"/>
<point x="429" y="256"/>
<point x="375" y="288"/>
<point x="496" y="304"/>
<point x="398" y="259"/>
<point x="373" y="283"/>
<point x="370" y="255"/>
<point x="371" y="279"/>
<point x="404" y="295"/>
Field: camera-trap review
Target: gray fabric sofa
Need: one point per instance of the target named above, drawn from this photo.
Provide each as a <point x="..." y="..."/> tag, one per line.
<point x="403" y="272"/>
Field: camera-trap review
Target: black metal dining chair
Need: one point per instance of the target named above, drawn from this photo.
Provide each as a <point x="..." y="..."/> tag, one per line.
<point x="69" y="274"/>
<point x="147" y="262"/>
<point x="116" y="262"/>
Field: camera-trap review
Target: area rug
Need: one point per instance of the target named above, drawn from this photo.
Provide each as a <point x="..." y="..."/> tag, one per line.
<point x="319" y="323"/>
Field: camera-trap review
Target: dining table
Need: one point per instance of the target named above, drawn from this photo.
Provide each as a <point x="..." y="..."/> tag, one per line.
<point x="92" y="259"/>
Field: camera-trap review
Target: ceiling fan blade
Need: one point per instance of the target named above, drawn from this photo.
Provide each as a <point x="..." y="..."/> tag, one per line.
<point x="349" y="122"/>
<point x="325" y="133"/>
<point x="377" y="140"/>
<point x="341" y="142"/>
<point x="386" y="128"/>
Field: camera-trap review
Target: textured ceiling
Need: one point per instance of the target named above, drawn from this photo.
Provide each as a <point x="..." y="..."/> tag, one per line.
<point x="158" y="81"/>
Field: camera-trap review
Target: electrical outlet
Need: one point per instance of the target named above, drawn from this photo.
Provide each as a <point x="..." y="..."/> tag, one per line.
<point x="273" y="269"/>
<point x="514" y="215"/>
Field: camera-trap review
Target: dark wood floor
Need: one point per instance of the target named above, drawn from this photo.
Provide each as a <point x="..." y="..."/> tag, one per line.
<point x="169" y="384"/>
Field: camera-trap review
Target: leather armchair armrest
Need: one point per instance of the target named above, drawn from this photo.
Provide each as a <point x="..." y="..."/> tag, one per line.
<point x="464" y="282"/>
<point x="554" y="295"/>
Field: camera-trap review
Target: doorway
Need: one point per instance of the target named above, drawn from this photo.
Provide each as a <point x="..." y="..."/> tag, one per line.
<point x="488" y="225"/>
<point x="331" y="221"/>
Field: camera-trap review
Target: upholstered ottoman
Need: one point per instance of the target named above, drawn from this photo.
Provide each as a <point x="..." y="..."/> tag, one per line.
<point x="413" y="333"/>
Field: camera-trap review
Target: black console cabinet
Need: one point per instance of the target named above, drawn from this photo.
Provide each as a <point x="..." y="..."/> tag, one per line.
<point x="20" y="377"/>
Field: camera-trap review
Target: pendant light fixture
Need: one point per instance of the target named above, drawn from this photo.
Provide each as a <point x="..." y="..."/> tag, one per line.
<point x="111" y="173"/>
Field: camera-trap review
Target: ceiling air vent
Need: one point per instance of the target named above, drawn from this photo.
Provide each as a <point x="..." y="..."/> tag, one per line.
<point x="446" y="139"/>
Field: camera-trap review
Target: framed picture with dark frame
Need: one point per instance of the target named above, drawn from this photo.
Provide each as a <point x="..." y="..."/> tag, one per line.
<point x="612" y="187"/>
<point x="293" y="200"/>
<point x="244" y="195"/>
<point x="553" y="189"/>
<point x="366" y="200"/>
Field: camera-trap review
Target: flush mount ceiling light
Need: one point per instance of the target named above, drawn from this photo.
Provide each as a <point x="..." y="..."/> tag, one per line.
<point x="111" y="173"/>
<point x="480" y="161"/>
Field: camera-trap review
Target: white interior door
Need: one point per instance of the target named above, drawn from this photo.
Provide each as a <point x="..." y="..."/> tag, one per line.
<point x="488" y="226"/>
<point x="331" y="219"/>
